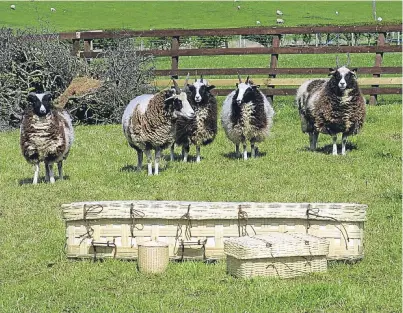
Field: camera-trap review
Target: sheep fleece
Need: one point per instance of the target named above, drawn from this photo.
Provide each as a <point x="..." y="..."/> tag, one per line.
<point x="46" y="138"/>
<point x="200" y="130"/>
<point x="330" y="113"/>
<point x="153" y="128"/>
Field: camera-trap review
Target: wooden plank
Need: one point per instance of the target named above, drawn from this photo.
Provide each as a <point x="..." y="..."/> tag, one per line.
<point x="270" y="71"/>
<point x="378" y="62"/>
<point x="274" y="50"/>
<point x="270" y="50"/>
<point x="292" y="91"/>
<point x="234" y="31"/>
<point x="289" y="81"/>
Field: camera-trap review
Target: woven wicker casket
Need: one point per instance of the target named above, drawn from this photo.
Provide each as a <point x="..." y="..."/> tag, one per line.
<point x="197" y="230"/>
<point x="276" y="254"/>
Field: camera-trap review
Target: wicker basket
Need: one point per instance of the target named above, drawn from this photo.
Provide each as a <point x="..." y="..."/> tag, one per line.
<point x="276" y="254"/>
<point x="196" y="230"/>
<point x="153" y="257"/>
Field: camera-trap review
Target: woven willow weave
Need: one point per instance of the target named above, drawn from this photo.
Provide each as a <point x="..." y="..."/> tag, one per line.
<point x="153" y="257"/>
<point x="276" y="254"/>
<point x="202" y="227"/>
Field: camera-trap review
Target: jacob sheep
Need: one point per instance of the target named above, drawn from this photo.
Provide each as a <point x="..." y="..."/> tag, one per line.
<point x="247" y="116"/>
<point x="149" y="122"/>
<point x="46" y="135"/>
<point x="331" y="106"/>
<point x="202" y="129"/>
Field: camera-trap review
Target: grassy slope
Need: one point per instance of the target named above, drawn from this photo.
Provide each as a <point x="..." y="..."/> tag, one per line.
<point x="86" y="15"/>
<point x="36" y="277"/>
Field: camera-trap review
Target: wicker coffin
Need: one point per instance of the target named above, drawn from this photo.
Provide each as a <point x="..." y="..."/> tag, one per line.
<point x="276" y="254"/>
<point x="197" y="230"/>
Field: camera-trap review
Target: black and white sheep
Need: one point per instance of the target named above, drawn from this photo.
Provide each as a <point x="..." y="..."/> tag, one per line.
<point x="247" y="116"/>
<point x="202" y="129"/>
<point x="46" y="135"/>
<point x="149" y="123"/>
<point x="331" y="106"/>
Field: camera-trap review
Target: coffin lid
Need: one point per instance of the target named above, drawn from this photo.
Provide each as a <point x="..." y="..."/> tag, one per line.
<point x="129" y="209"/>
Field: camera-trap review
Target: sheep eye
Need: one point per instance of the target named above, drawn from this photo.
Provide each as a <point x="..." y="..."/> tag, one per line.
<point x="178" y="105"/>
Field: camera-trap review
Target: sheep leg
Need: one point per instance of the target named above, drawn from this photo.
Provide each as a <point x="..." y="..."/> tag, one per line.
<point x="237" y="150"/>
<point x="157" y="159"/>
<point x="313" y="140"/>
<point x="36" y="174"/>
<point x="172" y="157"/>
<point x="51" y="177"/>
<point x="46" y="172"/>
<point x="60" y="169"/>
<point x="185" y="153"/>
<point x="252" y="150"/>
<point x="334" y="144"/>
<point x="139" y="160"/>
<point x="197" y="153"/>
<point x="343" y="144"/>
<point x="245" y="152"/>
<point x="149" y="160"/>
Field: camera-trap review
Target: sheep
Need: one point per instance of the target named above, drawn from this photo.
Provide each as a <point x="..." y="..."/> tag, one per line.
<point x="247" y="115"/>
<point x="331" y="106"/>
<point x="280" y="21"/>
<point x="52" y="10"/>
<point x="278" y="12"/>
<point x="202" y="129"/>
<point x="12" y="7"/>
<point x="149" y="123"/>
<point x="46" y="135"/>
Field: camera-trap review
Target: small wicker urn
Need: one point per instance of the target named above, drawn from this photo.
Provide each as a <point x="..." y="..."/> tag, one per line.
<point x="153" y="257"/>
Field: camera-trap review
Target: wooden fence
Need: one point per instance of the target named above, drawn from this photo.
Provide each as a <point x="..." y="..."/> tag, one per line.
<point x="84" y="39"/>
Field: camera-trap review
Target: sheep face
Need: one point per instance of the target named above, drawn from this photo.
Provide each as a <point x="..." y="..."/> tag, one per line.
<point x="199" y="91"/>
<point x="245" y="93"/>
<point x="41" y="103"/>
<point x="178" y="105"/>
<point x="343" y="78"/>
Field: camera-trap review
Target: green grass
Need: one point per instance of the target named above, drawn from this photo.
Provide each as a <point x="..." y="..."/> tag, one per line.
<point x="35" y="275"/>
<point x="87" y="15"/>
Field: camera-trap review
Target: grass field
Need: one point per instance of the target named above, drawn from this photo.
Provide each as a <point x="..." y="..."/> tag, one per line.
<point x="36" y="277"/>
<point x="87" y="15"/>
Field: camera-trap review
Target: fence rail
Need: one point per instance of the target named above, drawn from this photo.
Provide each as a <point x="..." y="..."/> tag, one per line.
<point x="273" y="52"/>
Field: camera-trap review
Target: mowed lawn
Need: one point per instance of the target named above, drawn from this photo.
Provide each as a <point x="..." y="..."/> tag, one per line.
<point x="91" y="15"/>
<point x="35" y="275"/>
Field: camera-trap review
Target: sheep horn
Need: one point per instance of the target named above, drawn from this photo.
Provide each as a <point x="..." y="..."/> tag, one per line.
<point x="177" y="89"/>
<point x="348" y="60"/>
<point x="337" y="62"/>
<point x="187" y="80"/>
<point x="247" y="80"/>
<point x="201" y="78"/>
<point x="239" y="77"/>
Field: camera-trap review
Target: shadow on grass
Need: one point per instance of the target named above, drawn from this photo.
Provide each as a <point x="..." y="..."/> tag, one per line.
<point x="234" y="156"/>
<point x="328" y="149"/>
<point x="133" y="169"/>
<point x="129" y="168"/>
<point x="41" y="180"/>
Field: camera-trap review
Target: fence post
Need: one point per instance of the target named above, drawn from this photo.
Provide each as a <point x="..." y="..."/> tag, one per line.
<point x="174" y="55"/>
<point x="274" y="60"/>
<point x="76" y="45"/>
<point x="378" y="62"/>
<point x="87" y="45"/>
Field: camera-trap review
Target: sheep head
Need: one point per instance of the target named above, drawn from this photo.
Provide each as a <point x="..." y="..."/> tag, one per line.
<point x="245" y="91"/>
<point x="178" y="104"/>
<point x="41" y="102"/>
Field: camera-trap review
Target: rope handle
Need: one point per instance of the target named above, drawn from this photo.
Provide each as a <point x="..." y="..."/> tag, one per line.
<point x="95" y="244"/>
<point x="315" y="211"/>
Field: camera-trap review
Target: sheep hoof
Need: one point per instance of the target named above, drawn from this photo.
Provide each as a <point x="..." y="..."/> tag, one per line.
<point x="52" y="180"/>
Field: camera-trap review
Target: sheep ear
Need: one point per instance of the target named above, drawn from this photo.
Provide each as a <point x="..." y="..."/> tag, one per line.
<point x="236" y="84"/>
<point x="210" y="87"/>
<point x="354" y="70"/>
<point x="256" y="86"/>
<point x="47" y="97"/>
<point x="331" y="71"/>
<point x="31" y="97"/>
